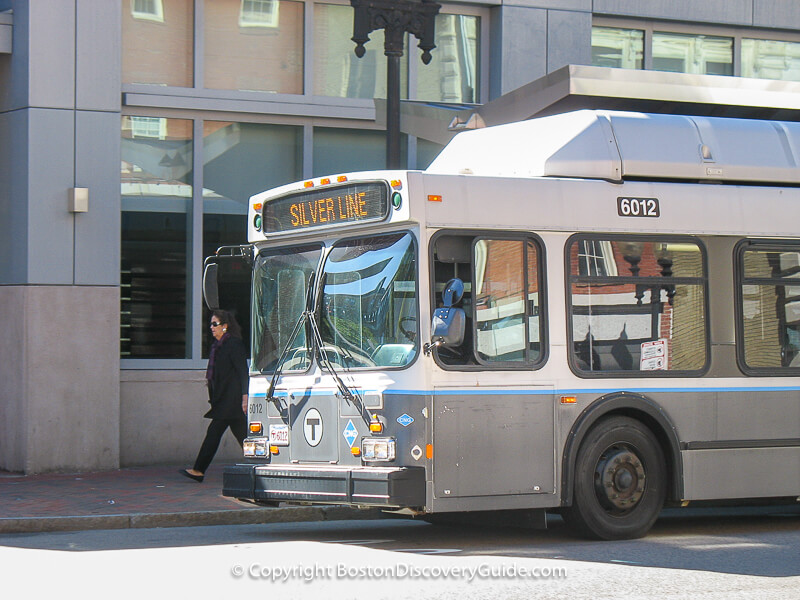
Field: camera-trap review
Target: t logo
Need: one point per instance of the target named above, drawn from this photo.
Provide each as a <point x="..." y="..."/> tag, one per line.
<point x="312" y="427"/>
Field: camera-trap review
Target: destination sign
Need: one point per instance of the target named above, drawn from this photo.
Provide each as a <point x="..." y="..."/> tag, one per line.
<point x="326" y="207"/>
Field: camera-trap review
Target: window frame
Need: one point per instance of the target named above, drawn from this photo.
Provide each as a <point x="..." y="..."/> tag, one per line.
<point x="739" y="282"/>
<point x="737" y="33"/>
<point x="328" y="245"/>
<point x="544" y="339"/>
<point x="569" y="280"/>
<point x="288" y="244"/>
<point x="157" y="15"/>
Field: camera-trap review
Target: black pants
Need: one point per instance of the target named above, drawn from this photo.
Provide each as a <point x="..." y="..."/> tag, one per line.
<point x="216" y="429"/>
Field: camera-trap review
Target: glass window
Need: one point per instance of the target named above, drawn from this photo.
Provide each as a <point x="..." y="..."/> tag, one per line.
<point x="770" y="306"/>
<point x="596" y="257"/>
<point x="253" y="45"/>
<point x="280" y="285"/>
<point x="685" y="53"/>
<point x="156" y="187"/>
<point x="619" y="48"/>
<point x="506" y="301"/>
<point x="347" y="150"/>
<point x="337" y="70"/>
<point x="771" y="59"/>
<point x="368" y="313"/>
<point x="157" y="42"/>
<point x="427" y="151"/>
<point x="647" y="313"/>
<point x="239" y="160"/>
<point x="502" y="299"/>
<point x="452" y="74"/>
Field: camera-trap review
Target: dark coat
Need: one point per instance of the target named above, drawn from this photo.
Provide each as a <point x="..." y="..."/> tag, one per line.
<point x="229" y="381"/>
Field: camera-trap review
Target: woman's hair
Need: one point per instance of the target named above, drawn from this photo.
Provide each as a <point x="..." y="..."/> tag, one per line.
<point x="227" y="318"/>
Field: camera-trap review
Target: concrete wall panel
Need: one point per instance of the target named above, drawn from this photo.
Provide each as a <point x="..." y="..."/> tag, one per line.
<point x="62" y="383"/>
<point x="730" y="12"/>
<point x="13" y="392"/>
<point x="161" y="419"/>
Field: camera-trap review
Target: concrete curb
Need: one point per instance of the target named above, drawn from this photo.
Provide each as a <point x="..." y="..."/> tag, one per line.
<point x="247" y="516"/>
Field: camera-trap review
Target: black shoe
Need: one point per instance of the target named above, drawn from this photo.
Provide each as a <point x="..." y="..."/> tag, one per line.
<point x="185" y="473"/>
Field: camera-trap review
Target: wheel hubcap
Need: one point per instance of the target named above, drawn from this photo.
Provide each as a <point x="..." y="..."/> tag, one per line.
<point x="619" y="479"/>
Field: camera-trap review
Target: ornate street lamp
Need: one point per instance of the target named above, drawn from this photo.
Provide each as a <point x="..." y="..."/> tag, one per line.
<point x="395" y="17"/>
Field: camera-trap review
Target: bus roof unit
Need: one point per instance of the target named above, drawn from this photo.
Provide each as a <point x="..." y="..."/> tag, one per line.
<point x="593" y="144"/>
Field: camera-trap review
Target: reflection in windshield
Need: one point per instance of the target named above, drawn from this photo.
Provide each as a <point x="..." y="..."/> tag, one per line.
<point x="369" y="302"/>
<point x="280" y="281"/>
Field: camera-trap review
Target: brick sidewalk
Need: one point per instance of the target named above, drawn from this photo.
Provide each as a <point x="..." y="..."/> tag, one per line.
<point x="136" y="497"/>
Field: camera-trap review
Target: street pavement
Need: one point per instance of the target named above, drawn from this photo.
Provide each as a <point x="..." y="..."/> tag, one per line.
<point x="139" y="497"/>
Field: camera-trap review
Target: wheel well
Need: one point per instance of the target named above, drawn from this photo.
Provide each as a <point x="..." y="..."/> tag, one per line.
<point x="640" y="409"/>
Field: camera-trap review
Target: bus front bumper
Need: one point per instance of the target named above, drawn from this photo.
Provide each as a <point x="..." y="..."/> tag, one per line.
<point x="396" y="487"/>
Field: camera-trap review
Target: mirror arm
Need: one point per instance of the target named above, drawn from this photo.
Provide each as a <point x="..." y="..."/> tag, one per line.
<point x="428" y="347"/>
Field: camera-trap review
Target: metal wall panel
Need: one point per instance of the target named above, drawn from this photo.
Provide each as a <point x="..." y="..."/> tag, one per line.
<point x="51" y="60"/>
<point x="567" y="33"/>
<point x="97" y="232"/>
<point x="50" y="234"/>
<point x="519" y="48"/>
<point x="13" y="196"/>
<point x="731" y="12"/>
<point x="783" y="14"/>
<point x="98" y="47"/>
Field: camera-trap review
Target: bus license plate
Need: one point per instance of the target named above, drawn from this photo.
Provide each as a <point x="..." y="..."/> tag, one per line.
<point x="279" y="435"/>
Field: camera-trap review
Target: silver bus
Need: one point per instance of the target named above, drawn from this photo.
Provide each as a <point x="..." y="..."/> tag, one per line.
<point x="595" y="313"/>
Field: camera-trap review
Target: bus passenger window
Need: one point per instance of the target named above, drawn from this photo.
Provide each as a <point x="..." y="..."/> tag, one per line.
<point x="769" y="307"/>
<point x="451" y="259"/>
<point x="637" y="304"/>
<point x="502" y="298"/>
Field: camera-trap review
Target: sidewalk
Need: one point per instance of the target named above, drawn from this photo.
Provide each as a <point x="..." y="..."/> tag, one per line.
<point x="138" y="497"/>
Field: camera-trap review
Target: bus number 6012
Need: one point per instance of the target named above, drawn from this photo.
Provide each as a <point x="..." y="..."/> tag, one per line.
<point x="638" y="207"/>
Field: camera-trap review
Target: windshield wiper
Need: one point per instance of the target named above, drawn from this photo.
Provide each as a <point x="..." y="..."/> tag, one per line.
<point x="301" y="319"/>
<point x="308" y="315"/>
<point x="344" y="391"/>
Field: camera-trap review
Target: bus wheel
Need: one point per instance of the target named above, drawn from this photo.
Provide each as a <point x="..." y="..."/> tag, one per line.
<point x="620" y="481"/>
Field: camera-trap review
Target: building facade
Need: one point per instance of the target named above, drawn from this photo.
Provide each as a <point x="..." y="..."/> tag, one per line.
<point x="132" y="133"/>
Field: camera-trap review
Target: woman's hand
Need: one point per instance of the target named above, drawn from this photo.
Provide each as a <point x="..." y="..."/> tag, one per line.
<point x="244" y="404"/>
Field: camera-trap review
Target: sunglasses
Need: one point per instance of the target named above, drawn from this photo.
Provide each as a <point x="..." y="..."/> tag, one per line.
<point x="215" y="324"/>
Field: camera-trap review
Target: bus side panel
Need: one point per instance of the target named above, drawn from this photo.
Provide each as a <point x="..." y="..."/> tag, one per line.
<point x="741" y="473"/>
<point x="492" y="444"/>
<point x="734" y="443"/>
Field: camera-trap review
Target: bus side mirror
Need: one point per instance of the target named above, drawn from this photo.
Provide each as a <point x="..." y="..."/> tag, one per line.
<point x="449" y="323"/>
<point x="210" y="286"/>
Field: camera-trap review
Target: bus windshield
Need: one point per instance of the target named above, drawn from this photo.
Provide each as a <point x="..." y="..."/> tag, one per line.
<point x="369" y="302"/>
<point x="280" y="282"/>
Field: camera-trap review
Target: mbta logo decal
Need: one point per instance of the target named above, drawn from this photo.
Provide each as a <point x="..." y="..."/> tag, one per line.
<point x="312" y="427"/>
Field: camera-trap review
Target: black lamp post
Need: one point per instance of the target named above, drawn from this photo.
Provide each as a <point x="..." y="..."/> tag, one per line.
<point x="395" y="17"/>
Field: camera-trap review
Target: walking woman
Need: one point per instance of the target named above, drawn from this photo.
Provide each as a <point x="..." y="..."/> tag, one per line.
<point x="227" y="380"/>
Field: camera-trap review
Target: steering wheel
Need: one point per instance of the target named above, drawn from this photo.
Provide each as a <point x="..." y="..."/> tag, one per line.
<point x="410" y="334"/>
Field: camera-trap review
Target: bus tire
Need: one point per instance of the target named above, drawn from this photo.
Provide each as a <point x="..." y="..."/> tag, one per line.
<point x="619" y="481"/>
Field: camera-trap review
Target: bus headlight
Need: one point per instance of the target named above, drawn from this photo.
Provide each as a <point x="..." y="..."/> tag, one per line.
<point x="255" y="447"/>
<point x="384" y="449"/>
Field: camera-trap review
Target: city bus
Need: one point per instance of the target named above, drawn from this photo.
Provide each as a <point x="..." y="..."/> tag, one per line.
<point x="595" y="314"/>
